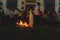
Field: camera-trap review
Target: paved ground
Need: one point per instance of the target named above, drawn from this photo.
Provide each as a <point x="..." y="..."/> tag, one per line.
<point x="11" y="32"/>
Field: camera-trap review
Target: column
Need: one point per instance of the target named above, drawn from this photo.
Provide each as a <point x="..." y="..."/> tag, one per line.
<point x="41" y="5"/>
<point x="19" y="4"/>
<point x="56" y="6"/>
<point x="4" y="5"/>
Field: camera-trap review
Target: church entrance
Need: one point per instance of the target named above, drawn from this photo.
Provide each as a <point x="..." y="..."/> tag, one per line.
<point x="29" y="6"/>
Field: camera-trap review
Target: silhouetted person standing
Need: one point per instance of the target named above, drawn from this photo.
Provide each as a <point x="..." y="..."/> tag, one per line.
<point x="1" y="14"/>
<point x="36" y="16"/>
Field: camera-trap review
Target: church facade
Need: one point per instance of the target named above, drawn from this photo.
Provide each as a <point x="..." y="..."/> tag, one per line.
<point x="23" y="4"/>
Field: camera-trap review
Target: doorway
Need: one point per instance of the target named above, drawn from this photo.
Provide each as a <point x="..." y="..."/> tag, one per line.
<point x="29" y="6"/>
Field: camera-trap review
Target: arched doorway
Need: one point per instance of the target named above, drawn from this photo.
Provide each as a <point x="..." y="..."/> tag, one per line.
<point x="29" y="6"/>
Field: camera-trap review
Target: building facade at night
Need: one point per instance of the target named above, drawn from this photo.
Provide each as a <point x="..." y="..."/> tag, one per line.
<point x="23" y="4"/>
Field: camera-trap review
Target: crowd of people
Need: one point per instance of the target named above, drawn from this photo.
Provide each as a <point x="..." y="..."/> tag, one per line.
<point x="9" y="16"/>
<point x="40" y="18"/>
<point x="12" y="15"/>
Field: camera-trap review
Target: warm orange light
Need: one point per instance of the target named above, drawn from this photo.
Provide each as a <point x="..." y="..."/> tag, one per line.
<point x="17" y="23"/>
<point x="30" y="25"/>
<point x="21" y="23"/>
<point x="25" y="24"/>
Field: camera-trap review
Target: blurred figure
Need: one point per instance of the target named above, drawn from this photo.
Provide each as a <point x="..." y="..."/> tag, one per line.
<point x="19" y="15"/>
<point x="9" y="15"/>
<point x="48" y="13"/>
<point x="30" y="14"/>
<point x="54" y="16"/>
<point x="50" y="16"/>
<point x="15" y="15"/>
<point x="24" y="16"/>
<point x="8" y="12"/>
<point x="1" y="14"/>
<point x="36" y="16"/>
<point x="1" y="11"/>
<point x="16" y="12"/>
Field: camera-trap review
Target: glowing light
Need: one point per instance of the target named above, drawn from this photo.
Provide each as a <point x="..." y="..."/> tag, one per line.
<point x="24" y="24"/>
<point x="17" y="23"/>
<point x="21" y="23"/>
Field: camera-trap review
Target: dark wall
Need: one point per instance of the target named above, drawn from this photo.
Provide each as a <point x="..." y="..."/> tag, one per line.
<point x="12" y="3"/>
<point x="1" y="3"/>
<point x="49" y="2"/>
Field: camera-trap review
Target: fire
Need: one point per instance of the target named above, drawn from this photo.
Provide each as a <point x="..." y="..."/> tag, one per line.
<point x="21" y="23"/>
<point x="25" y="24"/>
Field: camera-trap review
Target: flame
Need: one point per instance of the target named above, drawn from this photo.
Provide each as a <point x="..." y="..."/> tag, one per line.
<point x="25" y="24"/>
<point x="21" y="23"/>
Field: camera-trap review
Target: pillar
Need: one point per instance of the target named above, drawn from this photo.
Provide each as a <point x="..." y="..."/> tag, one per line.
<point x="56" y="6"/>
<point x="41" y="5"/>
<point x="4" y="5"/>
<point x="19" y="4"/>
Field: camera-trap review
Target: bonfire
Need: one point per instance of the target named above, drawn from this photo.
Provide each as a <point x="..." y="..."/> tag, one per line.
<point x="23" y="24"/>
